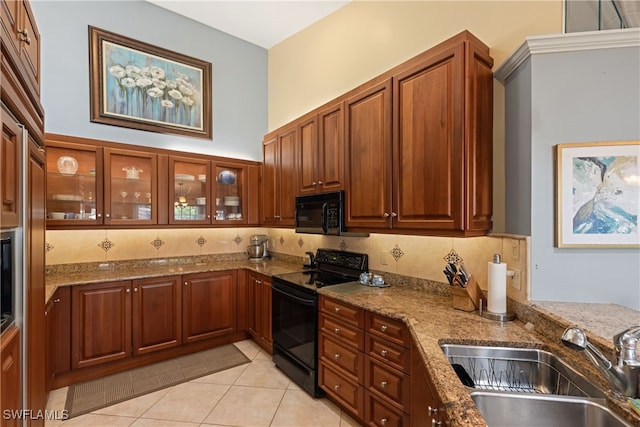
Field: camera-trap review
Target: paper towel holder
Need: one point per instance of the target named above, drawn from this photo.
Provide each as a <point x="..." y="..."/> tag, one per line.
<point x="500" y="317"/>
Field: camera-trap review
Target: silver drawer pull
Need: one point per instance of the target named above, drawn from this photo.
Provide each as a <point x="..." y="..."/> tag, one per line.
<point x="336" y="387"/>
<point x="383" y="421"/>
<point x="336" y="309"/>
<point x="384" y="384"/>
<point x="383" y="353"/>
<point x="432" y="411"/>
<point x="336" y="330"/>
<point x="435" y="423"/>
<point x="383" y="328"/>
<point x="336" y="356"/>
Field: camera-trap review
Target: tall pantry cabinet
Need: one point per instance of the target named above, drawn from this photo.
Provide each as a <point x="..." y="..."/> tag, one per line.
<point x="22" y="118"/>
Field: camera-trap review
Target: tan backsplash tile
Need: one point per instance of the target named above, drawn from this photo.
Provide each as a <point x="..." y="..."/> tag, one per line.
<point x="423" y="257"/>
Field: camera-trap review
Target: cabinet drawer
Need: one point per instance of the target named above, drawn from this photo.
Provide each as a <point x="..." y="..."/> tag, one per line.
<point x="393" y="330"/>
<point x="379" y="413"/>
<point x="347" y="358"/>
<point x="388" y="382"/>
<point x="392" y="354"/>
<point x="342" y="311"/>
<point x="345" y="332"/>
<point x="348" y="393"/>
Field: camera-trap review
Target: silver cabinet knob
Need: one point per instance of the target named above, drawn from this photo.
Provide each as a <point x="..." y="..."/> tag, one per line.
<point x="336" y="330"/>
<point x="336" y="356"/>
<point x="383" y="353"/>
<point x="107" y="215"/>
<point x="57" y="300"/>
<point x="320" y="183"/>
<point x="186" y="283"/>
<point x="384" y="384"/>
<point x="135" y="289"/>
<point x="336" y="387"/>
<point x="383" y="421"/>
<point x="432" y="411"/>
<point x="385" y="215"/>
<point x="99" y="215"/>
<point x="435" y="423"/>
<point x="128" y="290"/>
<point x="336" y="309"/>
<point x="383" y="328"/>
<point x="314" y="183"/>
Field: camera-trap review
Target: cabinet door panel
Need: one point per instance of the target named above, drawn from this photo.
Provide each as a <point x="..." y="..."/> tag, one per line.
<point x="10" y="388"/>
<point x="368" y="141"/>
<point x="309" y="174"/>
<point x="10" y="158"/>
<point x="208" y="305"/>
<point x="186" y="188"/>
<point x="101" y="323"/>
<point x="331" y="148"/>
<point x="288" y="179"/>
<point x="269" y="181"/>
<point x="428" y="147"/>
<point x="157" y="314"/>
<point x="30" y="46"/>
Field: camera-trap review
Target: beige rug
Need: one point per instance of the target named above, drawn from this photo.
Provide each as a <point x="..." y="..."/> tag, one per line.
<point x="91" y="395"/>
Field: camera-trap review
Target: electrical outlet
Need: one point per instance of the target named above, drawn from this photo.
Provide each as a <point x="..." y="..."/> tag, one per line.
<point x="515" y="249"/>
<point x="383" y="258"/>
<point x="516" y="280"/>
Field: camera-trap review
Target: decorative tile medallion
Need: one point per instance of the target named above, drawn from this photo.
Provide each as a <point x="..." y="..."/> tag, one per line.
<point x="157" y="243"/>
<point x="201" y="241"/>
<point x="48" y="247"/>
<point x="106" y="244"/>
<point x="343" y="245"/>
<point x="453" y="257"/>
<point x="281" y="240"/>
<point x="238" y="240"/>
<point x="300" y="242"/>
<point x="396" y="252"/>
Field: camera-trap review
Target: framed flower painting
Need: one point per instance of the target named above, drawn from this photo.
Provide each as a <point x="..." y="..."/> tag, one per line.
<point x="598" y="194"/>
<point x="141" y="86"/>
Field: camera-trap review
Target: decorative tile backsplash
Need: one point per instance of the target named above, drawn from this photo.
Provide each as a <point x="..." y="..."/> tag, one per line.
<point x="422" y="257"/>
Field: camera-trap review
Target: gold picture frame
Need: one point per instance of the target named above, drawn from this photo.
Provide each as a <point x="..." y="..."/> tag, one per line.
<point x="141" y="86"/>
<point x="598" y="195"/>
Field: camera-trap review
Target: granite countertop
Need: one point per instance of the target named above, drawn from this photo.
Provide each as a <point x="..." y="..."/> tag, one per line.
<point x="430" y="317"/>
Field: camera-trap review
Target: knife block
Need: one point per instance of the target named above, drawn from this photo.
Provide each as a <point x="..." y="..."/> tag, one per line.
<point x="466" y="299"/>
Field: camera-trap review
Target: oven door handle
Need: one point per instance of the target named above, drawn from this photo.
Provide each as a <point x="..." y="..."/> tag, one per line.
<point x="288" y="295"/>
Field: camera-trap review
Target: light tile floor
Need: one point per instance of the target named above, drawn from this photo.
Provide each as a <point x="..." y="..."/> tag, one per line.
<point x="253" y="395"/>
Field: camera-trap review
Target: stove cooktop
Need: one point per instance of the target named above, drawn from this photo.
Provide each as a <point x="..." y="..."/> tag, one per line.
<point x="314" y="278"/>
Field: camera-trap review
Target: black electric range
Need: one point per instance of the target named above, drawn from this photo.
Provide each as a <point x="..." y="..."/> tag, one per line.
<point x="295" y="313"/>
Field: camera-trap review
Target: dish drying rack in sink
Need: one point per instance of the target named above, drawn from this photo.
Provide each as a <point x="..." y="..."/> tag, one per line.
<point x="517" y="370"/>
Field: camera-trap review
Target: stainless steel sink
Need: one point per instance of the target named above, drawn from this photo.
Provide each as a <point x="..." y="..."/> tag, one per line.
<point x="521" y="370"/>
<point x="526" y="410"/>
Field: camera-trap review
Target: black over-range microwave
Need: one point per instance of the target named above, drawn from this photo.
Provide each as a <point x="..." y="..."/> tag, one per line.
<point x="320" y="213"/>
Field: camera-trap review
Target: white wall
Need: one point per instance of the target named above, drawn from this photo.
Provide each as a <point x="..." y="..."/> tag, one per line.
<point x="239" y="86"/>
<point x="578" y="88"/>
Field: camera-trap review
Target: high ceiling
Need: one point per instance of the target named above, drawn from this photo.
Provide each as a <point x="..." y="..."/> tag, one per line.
<point x="261" y="22"/>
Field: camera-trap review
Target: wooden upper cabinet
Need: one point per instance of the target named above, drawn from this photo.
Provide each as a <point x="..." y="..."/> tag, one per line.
<point x="189" y="190"/>
<point x="21" y="40"/>
<point x="322" y="151"/>
<point x="368" y="157"/>
<point x="428" y="179"/>
<point x="11" y="171"/>
<point x="130" y="187"/>
<point x="280" y="177"/>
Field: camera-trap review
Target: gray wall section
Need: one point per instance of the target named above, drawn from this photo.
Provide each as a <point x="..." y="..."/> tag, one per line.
<point x="239" y="77"/>
<point x="578" y="96"/>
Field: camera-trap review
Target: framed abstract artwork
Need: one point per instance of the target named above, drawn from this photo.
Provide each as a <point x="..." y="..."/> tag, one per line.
<point x="141" y="86"/>
<point x="598" y="194"/>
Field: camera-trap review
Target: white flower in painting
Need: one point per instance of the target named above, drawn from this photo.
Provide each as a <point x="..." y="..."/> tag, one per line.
<point x="186" y="90"/>
<point x="144" y="82"/>
<point x="117" y="71"/>
<point x="128" y="82"/>
<point x="171" y="84"/>
<point x="145" y="71"/>
<point x="159" y="83"/>
<point x="188" y="102"/>
<point x="157" y="72"/>
<point x="154" y="92"/>
<point x="166" y="103"/>
<point x="132" y="69"/>
<point x="183" y="77"/>
<point x="175" y="94"/>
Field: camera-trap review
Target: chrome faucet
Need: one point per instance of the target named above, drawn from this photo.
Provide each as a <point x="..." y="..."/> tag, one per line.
<point x="624" y="376"/>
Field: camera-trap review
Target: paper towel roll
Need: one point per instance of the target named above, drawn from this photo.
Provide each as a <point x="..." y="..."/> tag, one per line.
<point x="497" y="287"/>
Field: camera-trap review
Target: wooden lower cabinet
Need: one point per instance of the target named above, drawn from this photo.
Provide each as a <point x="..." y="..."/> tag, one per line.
<point x="259" y="309"/>
<point x="10" y="390"/>
<point x="427" y="409"/>
<point x="100" y="323"/>
<point x="157" y="314"/>
<point x="58" y="320"/>
<point x="367" y="366"/>
<point x="208" y="305"/>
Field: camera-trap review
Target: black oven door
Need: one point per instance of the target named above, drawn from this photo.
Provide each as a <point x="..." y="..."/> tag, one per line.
<point x="295" y="323"/>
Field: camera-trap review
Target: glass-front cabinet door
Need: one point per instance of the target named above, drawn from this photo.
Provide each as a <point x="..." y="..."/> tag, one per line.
<point x="74" y="188"/>
<point x="229" y="193"/>
<point x="130" y="187"/>
<point x="189" y="190"/>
